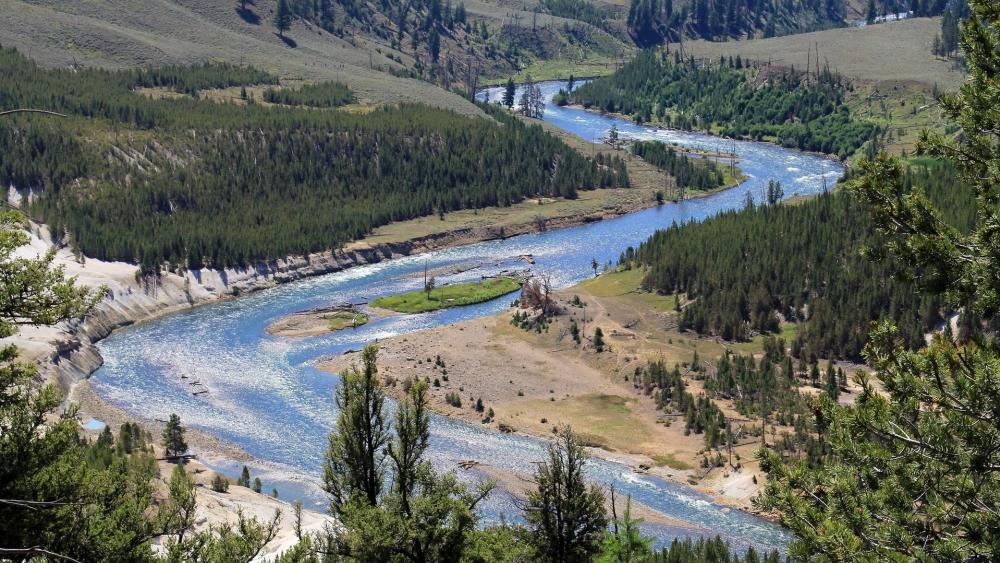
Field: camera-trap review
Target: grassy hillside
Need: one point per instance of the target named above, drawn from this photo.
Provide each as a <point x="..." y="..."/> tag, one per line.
<point x="359" y="43"/>
<point x="895" y="51"/>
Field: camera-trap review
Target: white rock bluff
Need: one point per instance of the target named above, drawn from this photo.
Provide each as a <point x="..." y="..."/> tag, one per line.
<point x="66" y="353"/>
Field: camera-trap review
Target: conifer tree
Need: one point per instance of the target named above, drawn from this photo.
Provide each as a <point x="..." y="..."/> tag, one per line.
<point x="424" y="516"/>
<point x="173" y="437"/>
<point x="412" y="438"/>
<point x="54" y="504"/>
<point x="913" y="469"/>
<point x="355" y="459"/>
<point x="282" y="17"/>
<point x="508" y="93"/>
<point x="566" y="516"/>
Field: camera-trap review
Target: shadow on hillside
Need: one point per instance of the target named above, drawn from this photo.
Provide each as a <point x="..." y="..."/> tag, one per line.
<point x="248" y="16"/>
<point x="288" y="41"/>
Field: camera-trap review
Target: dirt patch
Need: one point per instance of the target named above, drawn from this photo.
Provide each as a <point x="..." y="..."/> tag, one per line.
<point x="315" y="322"/>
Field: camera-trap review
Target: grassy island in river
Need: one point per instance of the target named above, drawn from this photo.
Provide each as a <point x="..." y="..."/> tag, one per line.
<point x="454" y="295"/>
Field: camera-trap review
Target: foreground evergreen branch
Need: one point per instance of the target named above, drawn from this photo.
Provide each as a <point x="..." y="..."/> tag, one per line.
<point x="914" y="466"/>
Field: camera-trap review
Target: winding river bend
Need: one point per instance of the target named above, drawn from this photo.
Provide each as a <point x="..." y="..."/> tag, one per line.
<point x="267" y="399"/>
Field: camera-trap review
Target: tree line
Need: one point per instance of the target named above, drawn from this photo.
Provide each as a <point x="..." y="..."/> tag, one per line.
<point x="327" y="94"/>
<point x="698" y="174"/>
<point x="798" y="110"/>
<point x="744" y="271"/>
<point x="193" y="183"/>
<point x="651" y="22"/>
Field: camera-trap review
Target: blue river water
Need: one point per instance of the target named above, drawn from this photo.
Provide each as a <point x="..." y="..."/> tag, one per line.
<point x="266" y="398"/>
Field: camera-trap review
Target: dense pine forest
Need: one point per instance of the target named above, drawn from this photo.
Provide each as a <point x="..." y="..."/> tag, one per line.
<point x="322" y="95"/>
<point x="743" y="271"/>
<point x="698" y="174"/>
<point x="652" y="22"/>
<point x="197" y="183"/>
<point x="803" y="111"/>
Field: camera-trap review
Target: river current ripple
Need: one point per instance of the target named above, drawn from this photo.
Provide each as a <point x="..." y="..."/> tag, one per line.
<point x="267" y="399"/>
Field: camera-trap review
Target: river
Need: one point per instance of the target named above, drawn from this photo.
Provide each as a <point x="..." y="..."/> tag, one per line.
<point x="265" y="397"/>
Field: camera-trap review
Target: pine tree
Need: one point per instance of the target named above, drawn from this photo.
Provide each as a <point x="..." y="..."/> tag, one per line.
<point x="355" y="459"/>
<point x="508" y="93"/>
<point x="244" y="480"/>
<point x="913" y="469"/>
<point x="257" y="485"/>
<point x="626" y="543"/>
<point x="599" y="339"/>
<point x="173" y="437"/>
<point x="411" y="442"/>
<point x="282" y="17"/>
<point x="424" y="516"/>
<point x="566" y="517"/>
<point x="434" y="45"/>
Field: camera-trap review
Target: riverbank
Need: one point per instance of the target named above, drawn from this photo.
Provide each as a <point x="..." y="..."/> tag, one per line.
<point x="66" y="354"/>
<point x="509" y="379"/>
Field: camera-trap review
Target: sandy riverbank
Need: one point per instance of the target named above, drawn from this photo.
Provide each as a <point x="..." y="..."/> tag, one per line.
<point x="535" y="382"/>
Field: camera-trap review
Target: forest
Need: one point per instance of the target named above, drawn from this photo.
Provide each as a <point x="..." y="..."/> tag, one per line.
<point x="321" y="95"/>
<point x="698" y="174"/>
<point x="806" y="267"/>
<point x="733" y="98"/>
<point x="194" y="183"/>
<point x="652" y="22"/>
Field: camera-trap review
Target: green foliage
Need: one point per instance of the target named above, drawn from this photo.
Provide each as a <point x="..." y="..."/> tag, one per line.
<point x="173" y="437"/>
<point x="912" y="470"/>
<point x="193" y="78"/>
<point x="566" y="517"/>
<point x="66" y="498"/>
<point x="946" y="44"/>
<point x="60" y="493"/>
<point x="701" y="414"/>
<point x="799" y="111"/>
<point x="220" y="484"/>
<point x="445" y="296"/>
<point x="355" y="459"/>
<point x="626" y="544"/>
<point x="508" y="93"/>
<point x="815" y="276"/>
<point x="320" y="95"/>
<point x="282" y="17"/>
<point x="698" y="174"/>
<point x="501" y="543"/>
<point x="711" y="550"/>
<point x="424" y="516"/>
<point x="244" y="480"/>
<point x="759" y="389"/>
<point x="196" y="183"/>
<point x="599" y="340"/>
<point x="652" y="22"/>
<point x="578" y="10"/>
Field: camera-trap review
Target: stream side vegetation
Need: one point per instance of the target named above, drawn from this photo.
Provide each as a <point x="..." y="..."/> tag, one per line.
<point x="686" y="171"/>
<point x="805" y="111"/>
<point x="445" y="296"/>
<point x="744" y="272"/>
